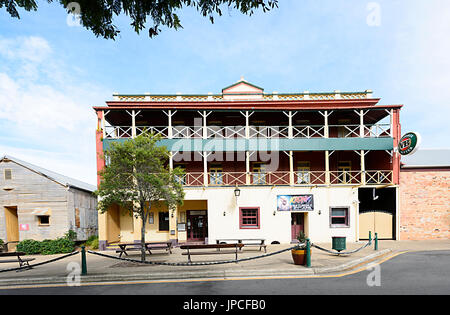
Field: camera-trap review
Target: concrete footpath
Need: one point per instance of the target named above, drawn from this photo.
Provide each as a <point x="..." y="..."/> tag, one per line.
<point x="102" y="269"/>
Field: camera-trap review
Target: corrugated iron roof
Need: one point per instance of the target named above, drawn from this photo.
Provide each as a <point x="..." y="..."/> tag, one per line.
<point x="427" y="158"/>
<point x="63" y="180"/>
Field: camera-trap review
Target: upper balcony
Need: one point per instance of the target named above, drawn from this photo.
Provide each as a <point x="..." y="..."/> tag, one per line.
<point x="231" y="124"/>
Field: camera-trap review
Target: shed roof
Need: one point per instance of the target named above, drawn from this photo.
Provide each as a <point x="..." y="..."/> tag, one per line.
<point x="427" y="158"/>
<point x="61" y="179"/>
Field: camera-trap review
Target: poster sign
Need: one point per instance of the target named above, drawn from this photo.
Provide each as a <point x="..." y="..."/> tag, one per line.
<point x="409" y="143"/>
<point x="24" y="227"/>
<point x="295" y="203"/>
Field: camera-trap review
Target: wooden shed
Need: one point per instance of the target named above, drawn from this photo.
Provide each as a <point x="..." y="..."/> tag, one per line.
<point x="39" y="204"/>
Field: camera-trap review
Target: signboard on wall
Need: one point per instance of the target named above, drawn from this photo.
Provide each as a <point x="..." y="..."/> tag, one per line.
<point x="295" y="203"/>
<point x="409" y="143"/>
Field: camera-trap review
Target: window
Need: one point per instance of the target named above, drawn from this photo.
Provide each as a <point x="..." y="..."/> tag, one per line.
<point x="249" y="218"/>
<point x="303" y="170"/>
<point x="259" y="174"/>
<point x="44" y="220"/>
<point x="216" y="175"/>
<point x="343" y="132"/>
<point x="339" y="217"/>
<point x="163" y="221"/>
<point x="344" y="169"/>
<point x="8" y="174"/>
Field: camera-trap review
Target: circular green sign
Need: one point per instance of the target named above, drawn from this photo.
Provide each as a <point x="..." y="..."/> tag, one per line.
<point x="409" y="143"/>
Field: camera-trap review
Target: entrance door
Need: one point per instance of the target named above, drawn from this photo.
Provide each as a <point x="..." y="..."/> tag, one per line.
<point x="197" y="225"/>
<point x="12" y="226"/>
<point x="297" y="224"/>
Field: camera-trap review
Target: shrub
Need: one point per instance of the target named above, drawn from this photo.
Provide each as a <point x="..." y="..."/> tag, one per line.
<point x="71" y="235"/>
<point x="29" y="247"/>
<point x="61" y="245"/>
<point x="92" y="242"/>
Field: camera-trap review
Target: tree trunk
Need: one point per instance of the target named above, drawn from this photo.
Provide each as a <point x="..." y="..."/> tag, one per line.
<point x="143" y="242"/>
<point x="144" y="221"/>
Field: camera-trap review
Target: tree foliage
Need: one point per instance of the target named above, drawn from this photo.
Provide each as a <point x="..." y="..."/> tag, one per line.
<point x="138" y="176"/>
<point x="98" y="15"/>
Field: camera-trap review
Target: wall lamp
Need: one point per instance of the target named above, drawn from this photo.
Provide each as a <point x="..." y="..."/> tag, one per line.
<point x="237" y="191"/>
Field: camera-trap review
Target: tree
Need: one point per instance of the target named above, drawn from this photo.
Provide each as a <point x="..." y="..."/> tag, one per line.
<point x="98" y="15"/>
<point x="137" y="176"/>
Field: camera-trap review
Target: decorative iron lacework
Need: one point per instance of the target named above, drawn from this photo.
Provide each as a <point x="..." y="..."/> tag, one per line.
<point x="264" y="97"/>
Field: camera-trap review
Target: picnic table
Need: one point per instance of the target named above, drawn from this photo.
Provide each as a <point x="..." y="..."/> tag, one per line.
<point x="255" y="242"/>
<point x="125" y="247"/>
<point x="22" y="261"/>
<point x="218" y="248"/>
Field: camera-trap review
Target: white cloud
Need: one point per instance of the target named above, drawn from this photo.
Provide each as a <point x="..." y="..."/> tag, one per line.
<point x="44" y="120"/>
<point x="420" y="70"/>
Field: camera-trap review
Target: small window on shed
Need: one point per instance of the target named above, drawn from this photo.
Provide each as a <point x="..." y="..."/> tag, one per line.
<point x="8" y="174"/>
<point x="44" y="219"/>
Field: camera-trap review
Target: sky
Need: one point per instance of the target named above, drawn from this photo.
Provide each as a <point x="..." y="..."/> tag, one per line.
<point x="53" y="72"/>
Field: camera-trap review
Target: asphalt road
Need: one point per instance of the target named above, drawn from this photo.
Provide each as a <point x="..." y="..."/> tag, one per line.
<point x="406" y="274"/>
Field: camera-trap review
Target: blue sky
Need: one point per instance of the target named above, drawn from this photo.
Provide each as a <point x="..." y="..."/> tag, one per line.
<point x="51" y="74"/>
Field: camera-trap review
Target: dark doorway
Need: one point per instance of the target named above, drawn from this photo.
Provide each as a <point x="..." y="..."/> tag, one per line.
<point x="297" y="224"/>
<point x="197" y="226"/>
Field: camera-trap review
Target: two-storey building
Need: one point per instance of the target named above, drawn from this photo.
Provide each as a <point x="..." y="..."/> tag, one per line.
<point x="262" y="165"/>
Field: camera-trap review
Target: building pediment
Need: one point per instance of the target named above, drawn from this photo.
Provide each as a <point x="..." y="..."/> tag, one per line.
<point x="242" y="90"/>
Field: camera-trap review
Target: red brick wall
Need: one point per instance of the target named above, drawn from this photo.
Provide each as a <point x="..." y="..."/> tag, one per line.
<point x="424" y="204"/>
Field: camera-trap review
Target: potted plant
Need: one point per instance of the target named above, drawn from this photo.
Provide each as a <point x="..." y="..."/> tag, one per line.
<point x="299" y="255"/>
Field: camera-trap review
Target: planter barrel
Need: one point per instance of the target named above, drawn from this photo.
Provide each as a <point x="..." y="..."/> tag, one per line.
<point x="299" y="256"/>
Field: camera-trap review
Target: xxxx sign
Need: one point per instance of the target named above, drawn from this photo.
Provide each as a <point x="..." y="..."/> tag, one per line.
<point x="409" y="143"/>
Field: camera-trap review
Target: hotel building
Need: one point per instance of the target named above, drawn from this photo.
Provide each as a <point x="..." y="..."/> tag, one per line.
<point x="263" y="165"/>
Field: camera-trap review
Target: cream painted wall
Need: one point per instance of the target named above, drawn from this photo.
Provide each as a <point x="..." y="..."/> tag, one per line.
<point x="275" y="227"/>
<point x="272" y="227"/>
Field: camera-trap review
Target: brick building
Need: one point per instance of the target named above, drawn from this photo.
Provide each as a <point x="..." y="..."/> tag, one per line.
<point x="425" y="195"/>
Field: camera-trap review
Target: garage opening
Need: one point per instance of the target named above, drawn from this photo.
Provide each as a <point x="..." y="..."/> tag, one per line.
<point x="377" y="212"/>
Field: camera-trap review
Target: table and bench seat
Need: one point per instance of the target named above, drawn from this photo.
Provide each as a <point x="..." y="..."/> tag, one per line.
<point x="219" y="249"/>
<point x="149" y="246"/>
<point x="246" y="242"/>
<point x="22" y="261"/>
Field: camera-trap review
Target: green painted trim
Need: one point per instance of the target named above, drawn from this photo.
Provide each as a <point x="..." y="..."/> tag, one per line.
<point x="241" y="144"/>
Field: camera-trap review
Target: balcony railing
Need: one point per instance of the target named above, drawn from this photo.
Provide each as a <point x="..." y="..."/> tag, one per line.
<point x="283" y="178"/>
<point x="266" y="132"/>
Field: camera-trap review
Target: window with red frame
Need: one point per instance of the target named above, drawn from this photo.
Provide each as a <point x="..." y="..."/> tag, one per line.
<point x="249" y="218"/>
<point x="339" y="217"/>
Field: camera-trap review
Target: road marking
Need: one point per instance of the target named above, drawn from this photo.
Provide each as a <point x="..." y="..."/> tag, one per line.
<point x="340" y="275"/>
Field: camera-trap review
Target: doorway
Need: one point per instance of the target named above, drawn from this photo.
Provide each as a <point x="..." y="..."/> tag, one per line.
<point x="297" y="225"/>
<point x="12" y="227"/>
<point x="377" y="212"/>
<point x="197" y="225"/>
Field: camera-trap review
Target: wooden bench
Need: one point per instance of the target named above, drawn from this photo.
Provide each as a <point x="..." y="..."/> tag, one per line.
<point x="4" y="246"/>
<point x="247" y="242"/>
<point x="217" y="248"/>
<point x="22" y="261"/>
<point x="125" y="247"/>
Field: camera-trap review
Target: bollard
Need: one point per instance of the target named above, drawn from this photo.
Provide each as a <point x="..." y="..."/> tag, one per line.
<point x="83" y="261"/>
<point x="370" y="237"/>
<point x="308" y="253"/>
<point x="376" y="241"/>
